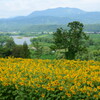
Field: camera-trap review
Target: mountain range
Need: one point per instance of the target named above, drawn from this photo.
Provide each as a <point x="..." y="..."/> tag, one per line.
<point x="55" y="16"/>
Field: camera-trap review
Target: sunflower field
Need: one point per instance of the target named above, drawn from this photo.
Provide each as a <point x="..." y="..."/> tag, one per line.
<point x="37" y="79"/>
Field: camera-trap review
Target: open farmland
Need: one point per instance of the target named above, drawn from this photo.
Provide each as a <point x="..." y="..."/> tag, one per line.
<point x="32" y="79"/>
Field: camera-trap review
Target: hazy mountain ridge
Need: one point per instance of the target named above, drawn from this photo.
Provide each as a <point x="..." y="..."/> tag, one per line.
<point x="58" y="12"/>
<point x="56" y="16"/>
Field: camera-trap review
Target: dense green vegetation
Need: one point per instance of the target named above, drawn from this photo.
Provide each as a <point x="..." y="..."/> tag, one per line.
<point x="71" y="40"/>
<point x="49" y="52"/>
<point x="42" y="46"/>
<point x="9" y="48"/>
<point x="92" y="53"/>
<point x="33" y="29"/>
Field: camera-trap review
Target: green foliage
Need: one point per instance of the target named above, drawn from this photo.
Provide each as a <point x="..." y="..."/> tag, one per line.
<point x="38" y="49"/>
<point x="26" y="52"/>
<point x="60" y="38"/>
<point x="3" y="40"/>
<point x="27" y="93"/>
<point x="72" y="40"/>
<point x="9" y="48"/>
<point x="6" y="46"/>
<point x="96" y="55"/>
<point x="43" y="38"/>
<point x="29" y="30"/>
<point x="5" y="52"/>
<point x="21" y="51"/>
<point x="10" y="44"/>
<point x="50" y="50"/>
<point x="17" y="51"/>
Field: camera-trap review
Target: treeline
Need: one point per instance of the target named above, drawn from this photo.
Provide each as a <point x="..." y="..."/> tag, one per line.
<point x="72" y="43"/>
<point x="42" y="28"/>
<point x="50" y="51"/>
<point x="9" y="48"/>
<point x="92" y="45"/>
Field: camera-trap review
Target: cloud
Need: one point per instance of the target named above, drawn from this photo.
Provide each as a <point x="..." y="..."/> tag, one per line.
<point x="23" y="7"/>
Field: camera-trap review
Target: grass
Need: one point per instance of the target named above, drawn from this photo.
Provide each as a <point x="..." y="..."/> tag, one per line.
<point x="19" y="37"/>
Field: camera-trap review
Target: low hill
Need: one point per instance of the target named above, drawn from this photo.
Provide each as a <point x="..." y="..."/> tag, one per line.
<point x="56" y="16"/>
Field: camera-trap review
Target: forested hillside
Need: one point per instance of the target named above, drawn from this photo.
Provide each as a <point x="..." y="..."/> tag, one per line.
<point x="50" y="19"/>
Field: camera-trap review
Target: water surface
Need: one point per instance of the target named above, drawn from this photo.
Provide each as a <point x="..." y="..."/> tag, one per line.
<point x="20" y="40"/>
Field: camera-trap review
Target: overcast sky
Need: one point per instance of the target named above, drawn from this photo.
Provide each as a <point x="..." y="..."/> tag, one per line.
<point x="12" y="8"/>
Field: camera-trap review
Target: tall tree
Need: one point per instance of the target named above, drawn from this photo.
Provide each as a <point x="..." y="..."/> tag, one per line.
<point x="38" y="49"/>
<point x="21" y="51"/>
<point x="71" y="40"/>
<point x="17" y="51"/>
<point x="6" y="46"/>
<point x="10" y="43"/>
<point x="26" y="52"/>
<point x="3" y="40"/>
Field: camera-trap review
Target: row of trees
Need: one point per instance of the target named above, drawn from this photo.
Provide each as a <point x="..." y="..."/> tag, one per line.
<point x="9" y="48"/>
<point x="71" y="42"/>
